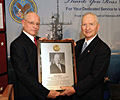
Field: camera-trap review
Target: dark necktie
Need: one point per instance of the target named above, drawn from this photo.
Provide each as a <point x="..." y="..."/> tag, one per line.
<point x="35" y="41"/>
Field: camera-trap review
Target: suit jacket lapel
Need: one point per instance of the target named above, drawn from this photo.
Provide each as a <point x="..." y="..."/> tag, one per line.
<point x="89" y="48"/>
<point x="30" y="46"/>
<point x="62" y="67"/>
<point x="28" y="40"/>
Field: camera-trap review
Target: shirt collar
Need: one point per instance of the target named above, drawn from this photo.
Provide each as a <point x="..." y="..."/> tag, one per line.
<point x="30" y="36"/>
<point x="89" y="41"/>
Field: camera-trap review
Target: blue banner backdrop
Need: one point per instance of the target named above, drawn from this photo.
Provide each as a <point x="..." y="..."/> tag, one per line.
<point x="70" y="13"/>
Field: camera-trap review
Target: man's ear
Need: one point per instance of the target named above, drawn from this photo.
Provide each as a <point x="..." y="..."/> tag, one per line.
<point x="98" y="27"/>
<point x="23" y="21"/>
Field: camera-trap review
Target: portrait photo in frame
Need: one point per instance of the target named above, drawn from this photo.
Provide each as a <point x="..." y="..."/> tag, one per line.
<point x="56" y="63"/>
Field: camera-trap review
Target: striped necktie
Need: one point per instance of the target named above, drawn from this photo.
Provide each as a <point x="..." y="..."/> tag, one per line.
<point x="84" y="46"/>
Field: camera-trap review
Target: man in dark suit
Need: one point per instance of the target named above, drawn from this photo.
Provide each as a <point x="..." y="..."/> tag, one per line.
<point x="24" y="60"/>
<point x="91" y="63"/>
<point x="56" y="66"/>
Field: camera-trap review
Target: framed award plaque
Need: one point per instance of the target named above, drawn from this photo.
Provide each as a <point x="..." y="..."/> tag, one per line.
<point x="56" y="63"/>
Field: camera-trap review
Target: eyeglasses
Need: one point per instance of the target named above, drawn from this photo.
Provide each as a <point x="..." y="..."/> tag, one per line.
<point x="32" y="23"/>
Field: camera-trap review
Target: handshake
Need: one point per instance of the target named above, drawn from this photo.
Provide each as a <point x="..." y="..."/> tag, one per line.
<point x="66" y="91"/>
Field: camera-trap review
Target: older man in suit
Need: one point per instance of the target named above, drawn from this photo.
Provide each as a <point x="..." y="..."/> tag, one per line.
<point x="92" y="61"/>
<point x="24" y="60"/>
<point x="56" y="66"/>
